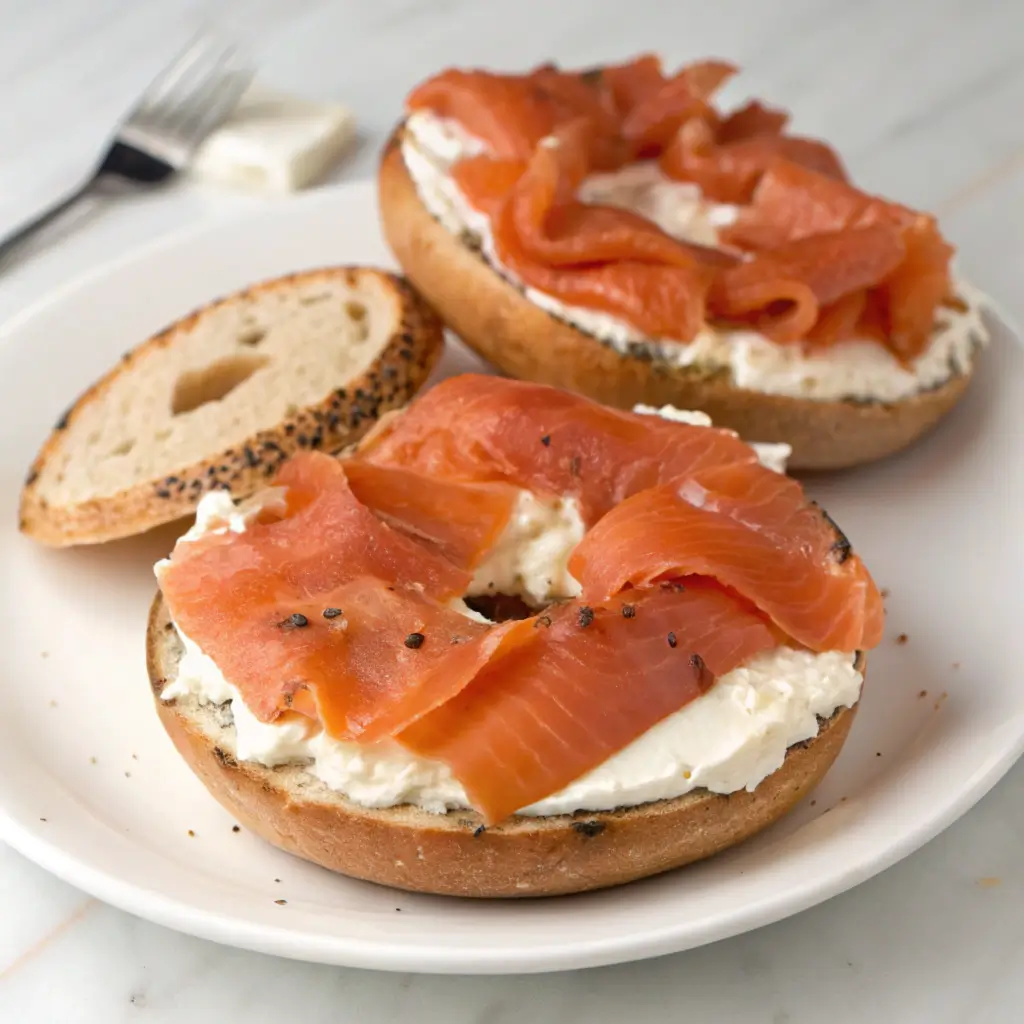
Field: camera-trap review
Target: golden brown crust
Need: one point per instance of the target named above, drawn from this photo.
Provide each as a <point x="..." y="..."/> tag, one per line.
<point x="449" y="854"/>
<point x="402" y="366"/>
<point x="523" y="340"/>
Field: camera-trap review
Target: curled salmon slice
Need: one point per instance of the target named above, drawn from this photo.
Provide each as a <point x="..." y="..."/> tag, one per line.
<point x="782" y="291"/>
<point x="753" y="531"/>
<point x="728" y="172"/>
<point x="655" y="118"/>
<point x="753" y="119"/>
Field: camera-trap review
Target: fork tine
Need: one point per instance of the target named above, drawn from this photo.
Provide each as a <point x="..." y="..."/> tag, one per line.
<point x="172" y="73"/>
<point x="213" y="106"/>
<point x="199" y="102"/>
<point x="193" y="68"/>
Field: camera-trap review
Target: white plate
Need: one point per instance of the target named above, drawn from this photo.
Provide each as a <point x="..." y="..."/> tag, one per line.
<point x="91" y="788"/>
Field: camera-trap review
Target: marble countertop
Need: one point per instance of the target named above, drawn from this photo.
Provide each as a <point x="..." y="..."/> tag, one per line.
<point x="923" y="98"/>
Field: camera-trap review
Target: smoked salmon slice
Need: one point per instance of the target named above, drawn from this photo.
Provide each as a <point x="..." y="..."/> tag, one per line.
<point x="460" y="521"/>
<point x="792" y="203"/>
<point x="781" y="291"/>
<point x="595" y="256"/>
<point x="237" y="596"/>
<point x="545" y="131"/>
<point x="345" y="605"/>
<point x="549" y="711"/>
<point x="753" y="531"/>
<point x="485" y="429"/>
<point x="658" y="115"/>
<point x="729" y="171"/>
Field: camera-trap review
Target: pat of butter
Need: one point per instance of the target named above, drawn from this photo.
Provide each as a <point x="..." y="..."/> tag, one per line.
<point x="274" y="142"/>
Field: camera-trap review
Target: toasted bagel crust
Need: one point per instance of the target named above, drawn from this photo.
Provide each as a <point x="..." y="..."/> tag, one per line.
<point x="450" y="854"/>
<point x="522" y="340"/>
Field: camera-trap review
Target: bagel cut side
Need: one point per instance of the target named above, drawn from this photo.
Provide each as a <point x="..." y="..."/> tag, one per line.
<point x="453" y="854"/>
<point x="523" y="340"/>
<point x="220" y="398"/>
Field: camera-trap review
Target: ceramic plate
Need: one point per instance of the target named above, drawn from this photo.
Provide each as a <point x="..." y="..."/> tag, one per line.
<point x="91" y="788"/>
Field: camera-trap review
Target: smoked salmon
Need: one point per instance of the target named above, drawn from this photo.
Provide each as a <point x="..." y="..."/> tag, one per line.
<point x="344" y="605"/>
<point x="862" y="266"/>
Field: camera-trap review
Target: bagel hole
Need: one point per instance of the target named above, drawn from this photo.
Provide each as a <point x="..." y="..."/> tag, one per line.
<point x="500" y="607"/>
<point x="197" y="388"/>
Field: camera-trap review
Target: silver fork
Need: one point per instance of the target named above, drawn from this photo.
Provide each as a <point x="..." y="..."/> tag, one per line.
<point x="189" y="98"/>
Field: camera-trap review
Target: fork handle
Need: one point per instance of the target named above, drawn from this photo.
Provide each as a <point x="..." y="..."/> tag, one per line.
<point x="18" y="239"/>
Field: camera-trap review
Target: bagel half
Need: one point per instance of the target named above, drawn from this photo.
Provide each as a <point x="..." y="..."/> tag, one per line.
<point x="522" y="340"/>
<point x="449" y="854"/>
<point x="221" y="397"/>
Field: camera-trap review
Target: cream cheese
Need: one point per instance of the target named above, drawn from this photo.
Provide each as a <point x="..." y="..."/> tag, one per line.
<point x="729" y="739"/>
<point x="531" y="558"/>
<point x="860" y="370"/>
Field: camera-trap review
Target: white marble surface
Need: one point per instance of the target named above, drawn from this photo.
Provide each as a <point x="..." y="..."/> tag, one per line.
<point x="923" y="98"/>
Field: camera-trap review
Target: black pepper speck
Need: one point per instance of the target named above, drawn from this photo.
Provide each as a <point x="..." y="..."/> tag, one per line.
<point x="672" y="640"/>
<point x="586" y="616"/>
<point x="331" y="613"/>
<point x="414" y="641"/>
<point x="295" y="621"/>
<point x="628" y="611"/>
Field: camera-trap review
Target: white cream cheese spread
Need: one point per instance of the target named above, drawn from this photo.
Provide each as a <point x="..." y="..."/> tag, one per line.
<point x="729" y="739"/>
<point x="861" y="370"/>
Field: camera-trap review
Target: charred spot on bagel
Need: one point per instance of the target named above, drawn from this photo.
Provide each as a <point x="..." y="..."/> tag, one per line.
<point x="224" y="758"/>
<point x="589" y="829"/>
<point x="841" y="547"/>
<point x="479" y="831"/>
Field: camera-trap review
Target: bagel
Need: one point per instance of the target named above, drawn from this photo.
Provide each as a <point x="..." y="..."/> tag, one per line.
<point x="454" y="854"/>
<point x="446" y="247"/>
<point x="391" y="817"/>
<point x="222" y="396"/>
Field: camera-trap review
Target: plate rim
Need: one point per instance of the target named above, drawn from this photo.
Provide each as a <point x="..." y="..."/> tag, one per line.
<point x="462" y="958"/>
